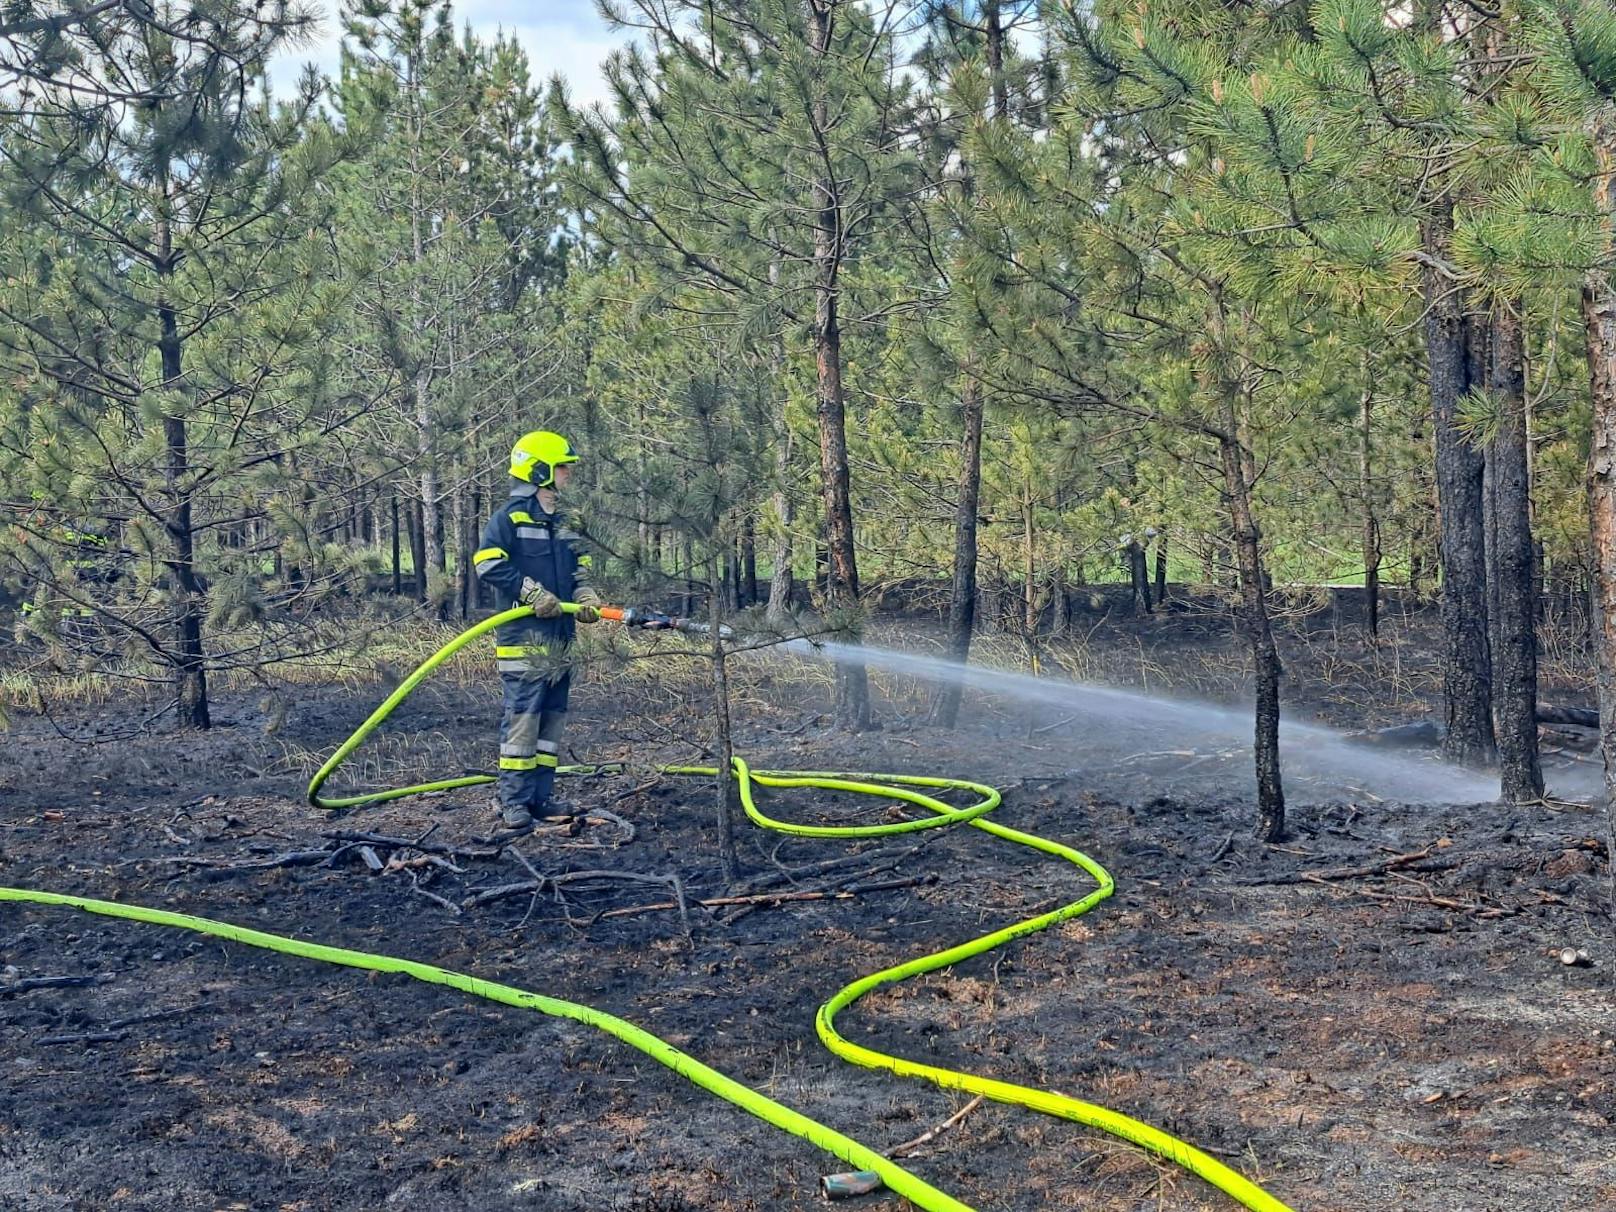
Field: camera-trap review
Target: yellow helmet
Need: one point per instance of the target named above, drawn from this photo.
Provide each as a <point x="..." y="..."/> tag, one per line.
<point x="536" y="455"/>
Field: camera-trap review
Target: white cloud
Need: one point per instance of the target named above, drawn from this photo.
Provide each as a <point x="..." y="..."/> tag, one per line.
<point x="565" y="37"/>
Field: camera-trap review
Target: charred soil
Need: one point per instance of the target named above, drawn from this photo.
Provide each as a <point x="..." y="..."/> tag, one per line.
<point x="1371" y="1015"/>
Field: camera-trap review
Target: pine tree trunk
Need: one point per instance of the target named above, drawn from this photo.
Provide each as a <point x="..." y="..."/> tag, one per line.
<point x="781" y="584"/>
<point x="1515" y="556"/>
<point x="418" y="548"/>
<point x="1371" y="522"/>
<point x="725" y="790"/>
<point x="1466" y="658"/>
<point x="1161" y="569"/>
<point x="962" y="593"/>
<point x="1029" y="562"/>
<point x="459" y="530"/>
<point x="749" y="577"/>
<point x="398" y="564"/>
<point x="1599" y="322"/>
<point x="1238" y="462"/>
<point x="473" y="533"/>
<point x="1489" y="540"/>
<point x="1138" y="575"/>
<point x="852" y="680"/>
<point x="1259" y="632"/>
<point x="189" y="598"/>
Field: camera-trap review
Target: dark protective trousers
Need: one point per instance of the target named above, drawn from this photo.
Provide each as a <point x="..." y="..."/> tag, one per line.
<point x="530" y="736"/>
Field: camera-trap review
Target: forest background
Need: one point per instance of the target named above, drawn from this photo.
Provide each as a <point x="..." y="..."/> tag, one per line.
<point x="986" y="301"/>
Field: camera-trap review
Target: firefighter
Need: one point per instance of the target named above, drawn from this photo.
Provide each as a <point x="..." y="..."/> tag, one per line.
<point x="531" y="557"/>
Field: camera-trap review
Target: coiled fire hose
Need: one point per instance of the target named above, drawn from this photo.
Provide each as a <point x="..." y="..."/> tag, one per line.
<point x="901" y="787"/>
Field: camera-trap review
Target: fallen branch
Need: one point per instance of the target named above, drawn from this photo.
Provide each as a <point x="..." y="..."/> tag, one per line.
<point x="1351" y="873"/>
<point x="1581" y="717"/>
<point x="611" y="818"/>
<point x="776" y="898"/>
<point x="421" y="844"/>
<point x="84" y="1037"/>
<point x="445" y="902"/>
<point x="295" y="858"/>
<point x="831" y="885"/>
<point x="1051" y="728"/>
<point x="925" y="1138"/>
<point x="502" y="891"/>
<point x="790" y="875"/>
<point x="53" y="982"/>
<point x="1440" y="902"/>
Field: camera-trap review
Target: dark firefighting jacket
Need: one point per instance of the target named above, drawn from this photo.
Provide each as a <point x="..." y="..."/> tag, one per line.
<point x="523" y="545"/>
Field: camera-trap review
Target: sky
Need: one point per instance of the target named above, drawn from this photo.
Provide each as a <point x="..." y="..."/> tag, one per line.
<point x="565" y="36"/>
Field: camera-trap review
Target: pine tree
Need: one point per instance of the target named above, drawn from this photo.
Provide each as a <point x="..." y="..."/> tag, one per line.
<point x="165" y="301"/>
<point x="753" y="158"/>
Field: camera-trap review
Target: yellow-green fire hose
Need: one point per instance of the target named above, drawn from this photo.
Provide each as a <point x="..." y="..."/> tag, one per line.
<point x="890" y="786"/>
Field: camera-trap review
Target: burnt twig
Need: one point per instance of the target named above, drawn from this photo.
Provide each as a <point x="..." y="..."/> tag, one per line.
<point x="13" y="988"/>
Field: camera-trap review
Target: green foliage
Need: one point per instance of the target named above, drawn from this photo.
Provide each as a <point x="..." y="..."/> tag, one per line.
<point x="1141" y="232"/>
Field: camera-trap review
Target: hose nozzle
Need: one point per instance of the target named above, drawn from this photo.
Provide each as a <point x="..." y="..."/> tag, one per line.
<point x="655" y="620"/>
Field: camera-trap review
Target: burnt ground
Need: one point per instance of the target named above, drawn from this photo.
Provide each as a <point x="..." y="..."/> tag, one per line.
<point x="1369" y="1016"/>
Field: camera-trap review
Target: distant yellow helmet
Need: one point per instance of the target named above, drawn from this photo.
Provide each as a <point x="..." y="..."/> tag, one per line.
<point x="536" y="455"/>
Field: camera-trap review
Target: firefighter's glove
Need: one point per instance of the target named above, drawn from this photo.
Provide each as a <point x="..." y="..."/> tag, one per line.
<point x="589" y="604"/>
<point x="544" y="603"/>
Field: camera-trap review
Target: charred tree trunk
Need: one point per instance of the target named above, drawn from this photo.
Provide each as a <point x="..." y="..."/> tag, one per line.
<point x="1259" y="632"/>
<point x="1371" y="520"/>
<point x="1139" y="576"/>
<point x="189" y="596"/>
<point x="1466" y="658"/>
<point x="418" y="548"/>
<point x="1513" y="568"/>
<point x="962" y="589"/>
<point x="1161" y="569"/>
<point x="749" y="577"/>
<point x="398" y="564"/>
<point x="962" y="592"/>
<point x="1239" y="466"/>
<point x="726" y="795"/>
<point x="463" y="530"/>
<point x="781" y="579"/>
<point x="852" y="681"/>
<point x="1029" y="562"/>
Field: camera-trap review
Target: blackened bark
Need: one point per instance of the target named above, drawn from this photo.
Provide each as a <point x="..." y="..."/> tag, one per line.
<point x="1161" y="569"/>
<point x="1138" y="575"/>
<point x="398" y="566"/>
<point x="418" y="547"/>
<point x="189" y="596"/>
<point x="1466" y="659"/>
<point x="852" y="681"/>
<point x="1514" y="557"/>
<point x="962" y="592"/>
<point x="726" y="792"/>
<point x="1259" y="632"/>
<point x="474" y="592"/>
<point x="1371" y="520"/>
<point x="749" y="577"/>
<point x="962" y="589"/>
